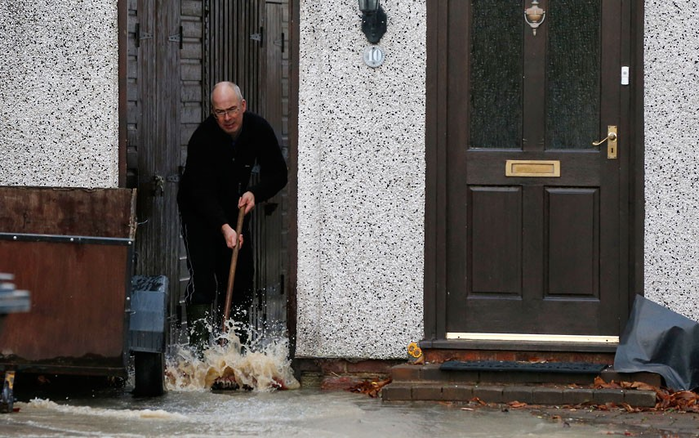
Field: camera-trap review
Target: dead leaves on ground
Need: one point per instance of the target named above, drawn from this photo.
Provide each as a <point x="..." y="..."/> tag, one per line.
<point x="666" y="399"/>
<point x="476" y="402"/>
<point x="601" y="384"/>
<point x="370" y="387"/>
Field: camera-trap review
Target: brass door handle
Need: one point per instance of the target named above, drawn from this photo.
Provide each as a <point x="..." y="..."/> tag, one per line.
<point x="611" y="137"/>
<point x="611" y="140"/>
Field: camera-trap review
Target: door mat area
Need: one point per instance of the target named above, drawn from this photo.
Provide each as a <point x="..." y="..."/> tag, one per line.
<point x="536" y="367"/>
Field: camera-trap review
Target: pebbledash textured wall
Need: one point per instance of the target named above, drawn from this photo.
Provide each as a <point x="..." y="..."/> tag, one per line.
<point x="59" y="93"/>
<point x="671" y="72"/>
<point x="361" y="177"/>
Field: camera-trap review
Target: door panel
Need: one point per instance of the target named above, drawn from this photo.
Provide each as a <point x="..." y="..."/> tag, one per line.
<point x="535" y="252"/>
<point x="496" y="216"/>
<point x="269" y="309"/>
<point x="573" y="58"/>
<point x="572" y="242"/>
<point x="164" y="107"/>
<point x="496" y="74"/>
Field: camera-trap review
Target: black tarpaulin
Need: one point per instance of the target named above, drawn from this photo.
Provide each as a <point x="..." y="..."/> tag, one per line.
<point x="660" y="341"/>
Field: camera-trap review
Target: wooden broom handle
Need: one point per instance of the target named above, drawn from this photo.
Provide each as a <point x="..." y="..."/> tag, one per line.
<point x="234" y="263"/>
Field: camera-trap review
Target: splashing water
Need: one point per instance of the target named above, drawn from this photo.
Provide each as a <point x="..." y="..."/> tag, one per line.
<point x="124" y="414"/>
<point x="257" y="365"/>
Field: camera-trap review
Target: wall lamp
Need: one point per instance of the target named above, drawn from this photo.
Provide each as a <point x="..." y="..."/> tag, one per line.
<point x="373" y="20"/>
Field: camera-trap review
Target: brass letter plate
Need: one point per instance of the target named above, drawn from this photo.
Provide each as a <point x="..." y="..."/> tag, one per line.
<point x="533" y="168"/>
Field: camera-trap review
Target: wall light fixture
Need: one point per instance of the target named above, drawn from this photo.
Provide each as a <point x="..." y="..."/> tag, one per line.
<point x="373" y="20"/>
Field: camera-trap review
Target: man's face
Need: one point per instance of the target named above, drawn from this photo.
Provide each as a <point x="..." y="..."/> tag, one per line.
<point x="228" y="110"/>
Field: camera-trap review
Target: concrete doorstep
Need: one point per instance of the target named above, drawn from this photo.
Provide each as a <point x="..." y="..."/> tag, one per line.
<point x="535" y="394"/>
<point x="429" y="383"/>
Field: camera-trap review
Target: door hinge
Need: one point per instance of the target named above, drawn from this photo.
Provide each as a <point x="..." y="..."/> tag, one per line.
<point x="176" y="38"/>
<point x="260" y="36"/>
<point x="280" y="42"/>
<point x="158" y="185"/>
<point x="141" y="36"/>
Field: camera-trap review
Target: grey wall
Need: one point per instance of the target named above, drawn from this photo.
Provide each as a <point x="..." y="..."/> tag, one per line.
<point x="671" y="74"/>
<point x="361" y="173"/>
<point x="58" y="93"/>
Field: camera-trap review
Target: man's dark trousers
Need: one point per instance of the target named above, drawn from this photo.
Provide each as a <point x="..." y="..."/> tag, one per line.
<point x="209" y="261"/>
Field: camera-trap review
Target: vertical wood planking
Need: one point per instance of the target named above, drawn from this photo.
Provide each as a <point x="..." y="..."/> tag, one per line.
<point x="157" y="131"/>
<point x="147" y="133"/>
<point x="133" y="95"/>
<point x="194" y="110"/>
<point x="259" y="67"/>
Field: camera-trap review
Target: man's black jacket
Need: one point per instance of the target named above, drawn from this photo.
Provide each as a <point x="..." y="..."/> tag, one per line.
<point x="218" y="170"/>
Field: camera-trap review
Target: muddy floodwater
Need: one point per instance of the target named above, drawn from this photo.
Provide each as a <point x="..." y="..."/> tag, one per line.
<point x="293" y="413"/>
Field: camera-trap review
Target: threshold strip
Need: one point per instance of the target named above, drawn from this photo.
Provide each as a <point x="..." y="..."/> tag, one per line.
<point x="521" y="337"/>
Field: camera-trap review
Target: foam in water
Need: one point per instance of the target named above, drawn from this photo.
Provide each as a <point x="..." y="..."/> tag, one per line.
<point x="256" y="366"/>
<point x="38" y="403"/>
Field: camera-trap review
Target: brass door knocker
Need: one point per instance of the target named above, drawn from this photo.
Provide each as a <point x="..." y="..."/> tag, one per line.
<point x="534" y="16"/>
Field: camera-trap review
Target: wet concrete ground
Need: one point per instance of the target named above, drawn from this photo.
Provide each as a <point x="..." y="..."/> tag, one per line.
<point x="665" y="424"/>
<point x="301" y="413"/>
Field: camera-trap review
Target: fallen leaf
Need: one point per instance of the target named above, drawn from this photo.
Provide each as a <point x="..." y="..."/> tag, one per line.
<point x="629" y="408"/>
<point x="641" y="386"/>
<point x="369" y="387"/>
<point x="479" y="401"/>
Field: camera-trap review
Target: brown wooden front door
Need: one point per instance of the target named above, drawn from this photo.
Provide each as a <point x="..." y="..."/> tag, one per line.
<point x="535" y="217"/>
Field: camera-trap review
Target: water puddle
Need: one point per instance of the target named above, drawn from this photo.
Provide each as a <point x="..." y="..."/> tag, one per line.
<point x="303" y="413"/>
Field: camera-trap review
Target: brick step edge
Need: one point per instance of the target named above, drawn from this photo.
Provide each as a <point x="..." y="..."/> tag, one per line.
<point x="432" y="374"/>
<point x="535" y="395"/>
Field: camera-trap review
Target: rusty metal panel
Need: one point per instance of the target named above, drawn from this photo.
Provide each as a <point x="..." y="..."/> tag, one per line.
<point x="78" y="295"/>
<point x="61" y="211"/>
<point x="79" y="289"/>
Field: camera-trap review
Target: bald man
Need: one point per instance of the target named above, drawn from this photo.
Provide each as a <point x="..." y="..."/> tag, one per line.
<point x="216" y="183"/>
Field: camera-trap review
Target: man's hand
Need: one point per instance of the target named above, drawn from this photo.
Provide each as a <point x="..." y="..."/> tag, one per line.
<point x="230" y="235"/>
<point x="248" y="201"/>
